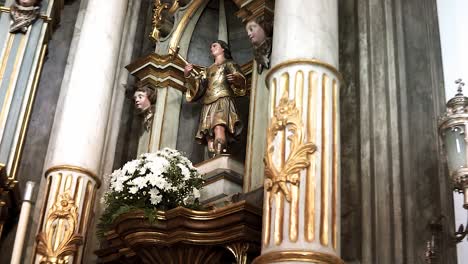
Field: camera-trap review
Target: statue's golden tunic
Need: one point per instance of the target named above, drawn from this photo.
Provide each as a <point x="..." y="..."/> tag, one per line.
<point x="215" y="92"/>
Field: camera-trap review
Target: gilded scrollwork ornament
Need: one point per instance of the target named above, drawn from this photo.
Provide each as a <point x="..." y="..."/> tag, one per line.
<point x="286" y="116"/>
<point x="159" y="17"/>
<point x="59" y="239"/>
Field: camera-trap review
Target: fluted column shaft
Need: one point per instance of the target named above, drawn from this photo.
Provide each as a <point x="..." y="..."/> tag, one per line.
<point x="301" y="207"/>
<point x="78" y="135"/>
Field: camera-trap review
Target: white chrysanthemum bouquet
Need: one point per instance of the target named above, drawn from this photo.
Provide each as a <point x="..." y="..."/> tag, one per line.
<point x="155" y="181"/>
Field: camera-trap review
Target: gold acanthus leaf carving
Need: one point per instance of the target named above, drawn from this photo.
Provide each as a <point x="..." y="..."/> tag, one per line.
<point x="286" y="115"/>
<point x="59" y="239"/>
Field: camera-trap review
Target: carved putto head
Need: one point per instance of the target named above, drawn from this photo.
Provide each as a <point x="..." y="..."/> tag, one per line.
<point x="23" y="14"/>
<point x="144" y="97"/>
<point x="28" y="3"/>
<point x="259" y="29"/>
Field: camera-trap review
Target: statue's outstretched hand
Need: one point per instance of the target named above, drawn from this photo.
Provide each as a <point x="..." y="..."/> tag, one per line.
<point x="188" y="69"/>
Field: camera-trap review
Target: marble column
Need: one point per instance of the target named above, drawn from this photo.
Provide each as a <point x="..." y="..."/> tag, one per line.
<point x="301" y="206"/>
<point x="76" y="145"/>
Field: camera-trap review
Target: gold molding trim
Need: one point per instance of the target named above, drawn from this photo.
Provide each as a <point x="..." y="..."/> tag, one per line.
<point x="297" y="255"/>
<point x="303" y="61"/>
<point x="75" y="169"/>
<point x="25" y="123"/>
<point x="177" y="35"/>
<point x="324" y="167"/>
<point x="59" y="239"/>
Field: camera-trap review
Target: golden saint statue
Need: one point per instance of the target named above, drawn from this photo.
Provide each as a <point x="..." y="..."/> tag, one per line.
<point x="216" y="86"/>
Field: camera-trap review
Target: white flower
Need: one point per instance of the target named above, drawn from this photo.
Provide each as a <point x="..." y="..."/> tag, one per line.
<point x="133" y="190"/>
<point x="160" y="182"/>
<point x="130" y="167"/>
<point x="185" y="172"/>
<point x="196" y="193"/>
<point x="189" y="199"/>
<point x="140" y="182"/>
<point x="117" y="185"/>
<point x="154" y="196"/>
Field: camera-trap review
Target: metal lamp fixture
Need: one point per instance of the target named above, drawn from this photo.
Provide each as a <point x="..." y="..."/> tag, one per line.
<point x="453" y="129"/>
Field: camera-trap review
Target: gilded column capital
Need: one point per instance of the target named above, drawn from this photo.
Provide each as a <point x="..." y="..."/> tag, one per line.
<point x="76" y="169"/>
<point x="303" y="61"/>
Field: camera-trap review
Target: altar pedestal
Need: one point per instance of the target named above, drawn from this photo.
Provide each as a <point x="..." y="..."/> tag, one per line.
<point x="182" y="236"/>
<point x="223" y="178"/>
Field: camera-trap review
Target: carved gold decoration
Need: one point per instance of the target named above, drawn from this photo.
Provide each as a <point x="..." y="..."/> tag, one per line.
<point x="59" y="240"/>
<point x="286" y="115"/>
<point x="157" y="18"/>
<point x="239" y="250"/>
<point x="299" y="256"/>
<point x="77" y="169"/>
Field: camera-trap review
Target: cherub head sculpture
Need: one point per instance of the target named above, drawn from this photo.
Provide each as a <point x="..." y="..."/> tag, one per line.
<point x="28" y="3"/>
<point x="260" y="32"/>
<point x="23" y="14"/>
<point x="144" y="97"/>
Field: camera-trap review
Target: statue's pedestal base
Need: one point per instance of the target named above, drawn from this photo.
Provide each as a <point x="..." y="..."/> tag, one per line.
<point x="223" y="178"/>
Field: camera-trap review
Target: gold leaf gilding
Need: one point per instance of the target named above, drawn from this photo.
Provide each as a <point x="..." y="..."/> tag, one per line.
<point x="286" y="116"/>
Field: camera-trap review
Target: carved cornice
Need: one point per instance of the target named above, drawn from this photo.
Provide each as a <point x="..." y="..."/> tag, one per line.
<point x="252" y="9"/>
<point x="158" y="70"/>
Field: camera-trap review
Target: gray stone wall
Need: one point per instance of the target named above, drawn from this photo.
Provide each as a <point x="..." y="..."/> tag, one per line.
<point x="393" y="181"/>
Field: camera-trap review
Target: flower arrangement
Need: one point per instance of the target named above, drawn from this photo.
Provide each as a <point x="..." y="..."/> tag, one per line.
<point x="155" y="181"/>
